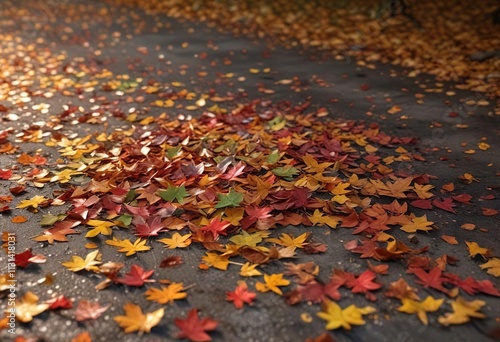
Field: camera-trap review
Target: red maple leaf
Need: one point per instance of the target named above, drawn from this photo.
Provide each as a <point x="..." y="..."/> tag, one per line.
<point x="136" y="277"/>
<point x="317" y="292"/>
<point x="290" y="199"/>
<point x="363" y="284"/>
<point x="255" y="214"/>
<point x="25" y="258"/>
<point x="240" y="296"/>
<point x="194" y="328"/>
<point x="148" y="228"/>
<point x="60" y="302"/>
<point x="422" y="204"/>
<point x="111" y="203"/>
<point x="469" y="285"/>
<point x="216" y="227"/>
<point x="367" y="249"/>
<point x="446" y="204"/>
<point x="350" y="221"/>
<point x="139" y="211"/>
<point x="462" y="198"/>
<point x="486" y="286"/>
<point x="234" y="172"/>
<point x="432" y="279"/>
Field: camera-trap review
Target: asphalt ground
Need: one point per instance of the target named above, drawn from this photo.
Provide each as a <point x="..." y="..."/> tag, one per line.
<point x="94" y="36"/>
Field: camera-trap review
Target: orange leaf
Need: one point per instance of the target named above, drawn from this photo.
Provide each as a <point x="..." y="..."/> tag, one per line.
<point x="83" y="337"/>
<point x="489" y="211"/>
<point x="449" y="187"/>
<point x="450" y="239"/>
<point x="25" y="159"/>
<point x="468" y="226"/>
<point x="18" y="219"/>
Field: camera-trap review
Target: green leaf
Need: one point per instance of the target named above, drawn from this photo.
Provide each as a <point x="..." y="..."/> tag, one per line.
<point x="173" y="152"/>
<point x="273" y="157"/>
<point x="49" y="219"/>
<point x="174" y="193"/>
<point x="232" y="199"/>
<point x="130" y="196"/>
<point x="277" y="123"/>
<point x="125" y="220"/>
<point x="285" y="171"/>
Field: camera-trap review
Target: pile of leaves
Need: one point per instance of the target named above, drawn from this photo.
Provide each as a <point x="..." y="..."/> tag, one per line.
<point x="225" y="182"/>
<point x="434" y="37"/>
<point x="228" y="183"/>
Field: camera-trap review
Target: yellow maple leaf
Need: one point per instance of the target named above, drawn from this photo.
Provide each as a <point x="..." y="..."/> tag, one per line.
<point x="318" y="218"/>
<point x="492" y="267"/>
<point x="89" y="263"/>
<point x="33" y="202"/>
<point x="340" y="189"/>
<point x="166" y="294"/>
<point x="136" y="320"/>
<point x="396" y="189"/>
<point x="422" y="191"/>
<point x="128" y="247"/>
<point x="28" y="307"/>
<point x="272" y="283"/>
<point x="336" y="317"/>
<point x="249" y="270"/>
<point x="100" y="227"/>
<point x="411" y="306"/>
<point x="416" y="224"/>
<point x="475" y="249"/>
<point x="218" y="261"/>
<point x="64" y="176"/>
<point x="234" y="215"/>
<point x="313" y="165"/>
<point x="462" y="311"/>
<point x="177" y="241"/>
<point x="289" y="241"/>
<point x="245" y="239"/>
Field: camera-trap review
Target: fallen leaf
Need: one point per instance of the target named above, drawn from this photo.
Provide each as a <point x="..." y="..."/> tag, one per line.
<point x="87" y="310"/>
<point x="241" y="295"/>
<point x="220" y="262"/>
<point x="417" y="223"/>
<point x="33" y="202"/>
<point x="336" y="317"/>
<point x="78" y="264"/>
<point x="429" y="304"/>
<point x="272" y="282"/>
<point x="195" y="329"/>
<point x="128" y="247"/>
<point x="18" y="219"/>
<point x="249" y="270"/>
<point x="136" y="320"/>
<point x="28" y="307"/>
<point x="450" y="239"/>
<point x="82" y="337"/>
<point x="166" y="294"/>
<point x="177" y="241"/>
<point x="475" y="249"/>
<point x="462" y="311"/>
<point x="137" y="276"/>
<point x="492" y="267"/>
